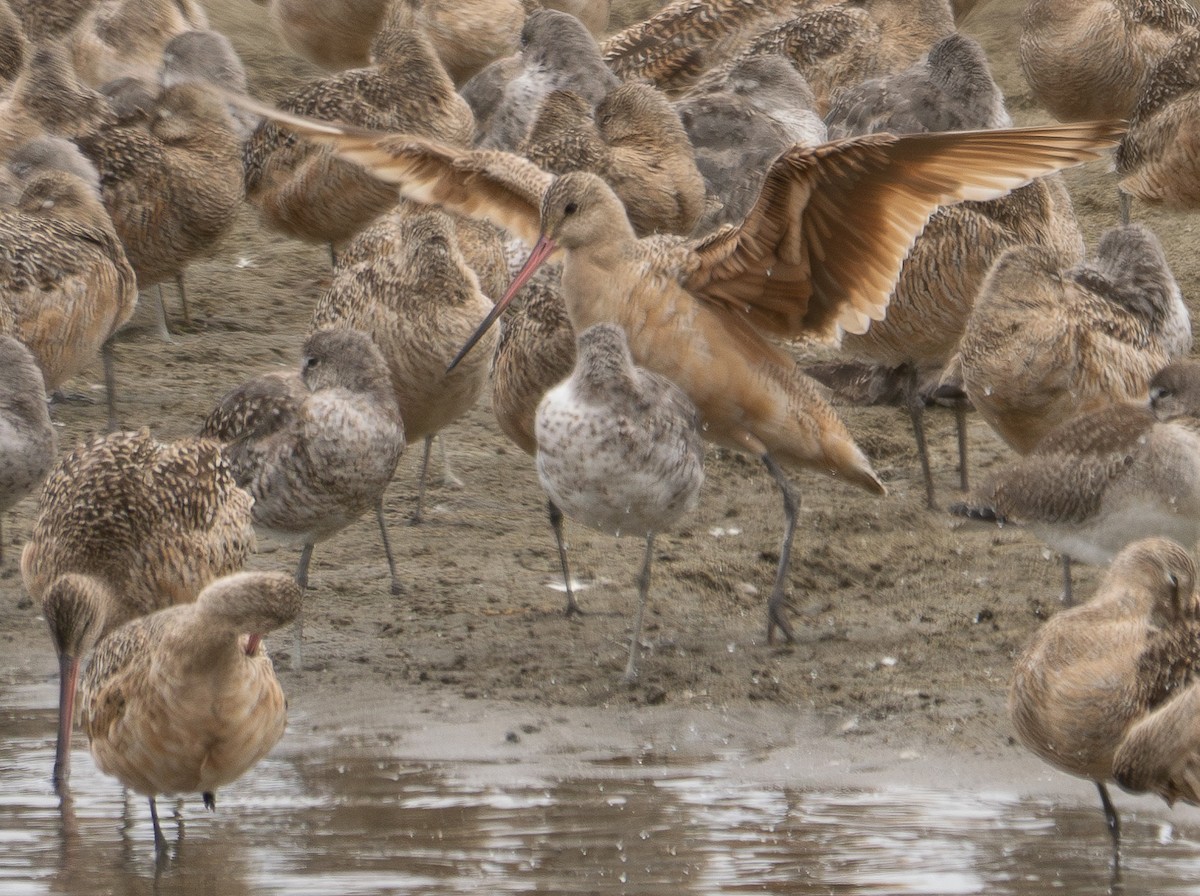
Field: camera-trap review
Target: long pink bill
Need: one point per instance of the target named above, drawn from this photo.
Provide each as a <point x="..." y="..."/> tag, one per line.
<point x="542" y="250"/>
<point x="68" y="677"/>
<point x="252" y="643"/>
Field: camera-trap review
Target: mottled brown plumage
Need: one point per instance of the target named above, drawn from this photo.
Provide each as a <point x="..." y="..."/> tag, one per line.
<point x="302" y="189"/>
<point x="817" y="254"/>
<point x="1100" y="481"/>
<point x="63" y="275"/>
<point x="1108" y="690"/>
<point x="1089" y="59"/>
<point x="13" y="44"/>
<point x="405" y="283"/>
<point x="185" y="700"/>
<point x="1157" y="158"/>
<point x="45" y="20"/>
<point x="146" y="524"/>
<point x="127" y="37"/>
<point x="47" y="97"/>
<point x="172" y="184"/>
<point x="834" y="43"/>
<point x="1046" y="341"/>
<point x="635" y="142"/>
<point x="27" y="443"/>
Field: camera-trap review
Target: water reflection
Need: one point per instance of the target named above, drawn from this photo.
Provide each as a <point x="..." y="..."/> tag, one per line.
<point x="328" y="823"/>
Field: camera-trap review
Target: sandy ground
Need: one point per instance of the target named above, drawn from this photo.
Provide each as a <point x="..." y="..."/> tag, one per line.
<point x="907" y="621"/>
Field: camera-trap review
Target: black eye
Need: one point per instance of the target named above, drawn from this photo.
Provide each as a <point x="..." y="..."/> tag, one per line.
<point x="570" y="208"/>
<point x="310" y="362"/>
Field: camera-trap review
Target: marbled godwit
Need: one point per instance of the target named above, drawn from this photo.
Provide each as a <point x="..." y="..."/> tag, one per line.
<point x="317" y="448"/>
<point x="1043" y="343"/>
<point x="208" y="57"/>
<point x="126" y="37"/>
<point x="833" y="47"/>
<point x="1100" y="481"/>
<point x="739" y="123"/>
<point x="465" y="34"/>
<point x="404" y="282"/>
<point x="938" y="285"/>
<point x="593" y="13"/>
<point x="64" y="275"/>
<point x="642" y="480"/>
<point x="1107" y="690"/>
<point x="48" y="98"/>
<point x="1090" y="58"/>
<point x="304" y="191"/>
<point x="819" y="253"/>
<point x="147" y="524"/>
<point x="557" y="53"/>
<point x="1157" y="158"/>
<point x="689" y="37"/>
<point x="535" y="351"/>
<point x="949" y="89"/>
<point x="26" y="436"/>
<point x="172" y="185"/>
<point x="334" y="34"/>
<point x="185" y="699"/>
<point x="44" y="20"/>
<point x="635" y="142"/>
<point x="13" y="45"/>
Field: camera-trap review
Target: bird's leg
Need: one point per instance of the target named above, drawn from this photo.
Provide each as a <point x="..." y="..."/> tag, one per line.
<point x="332" y="257"/>
<point x="397" y="588"/>
<point x="449" y="480"/>
<point x="1068" y="600"/>
<point x="160" y="842"/>
<point x="302" y="581"/>
<point x="418" y="517"/>
<point x="210" y="801"/>
<point x="1126" y="202"/>
<point x="1110" y="815"/>
<point x="164" y="332"/>
<point x="775" y="605"/>
<point x="183" y="302"/>
<point x="916" y="413"/>
<point x="556" y="523"/>
<point x="643" y="592"/>
<point x="960" y="424"/>
<point x="110" y="382"/>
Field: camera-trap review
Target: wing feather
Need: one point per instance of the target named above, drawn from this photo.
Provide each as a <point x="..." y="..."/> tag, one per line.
<point x="821" y="249"/>
<point x="505" y="189"/>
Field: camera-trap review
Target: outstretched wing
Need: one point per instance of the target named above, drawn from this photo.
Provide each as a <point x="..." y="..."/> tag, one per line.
<point x="505" y="189"/>
<point x="823" y="245"/>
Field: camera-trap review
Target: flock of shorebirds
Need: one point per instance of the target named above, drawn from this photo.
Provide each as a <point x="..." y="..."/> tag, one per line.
<point x="696" y="190"/>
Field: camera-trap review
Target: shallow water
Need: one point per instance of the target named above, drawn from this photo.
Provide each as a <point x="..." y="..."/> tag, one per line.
<point x="326" y="820"/>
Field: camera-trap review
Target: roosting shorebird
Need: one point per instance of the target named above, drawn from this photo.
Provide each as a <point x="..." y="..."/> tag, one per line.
<point x="818" y="253"/>
<point x="1108" y="690"/>
<point x="185" y="699"/>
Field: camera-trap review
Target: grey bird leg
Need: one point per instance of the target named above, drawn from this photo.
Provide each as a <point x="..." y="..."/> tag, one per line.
<point x="556" y="523"/>
<point x="631" y="673"/>
<point x="418" y="516"/>
<point x="110" y="382"/>
<point x="302" y="581"/>
<point x="183" y="302"/>
<point x="960" y="424"/>
<point x="160" y="842"/>
<point x="1068" y="599"/>
<point x="775" y="605"/>
<point x="164" y="332"/>
<point x="397" y="588"/>
<point x="916" y="413"/>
